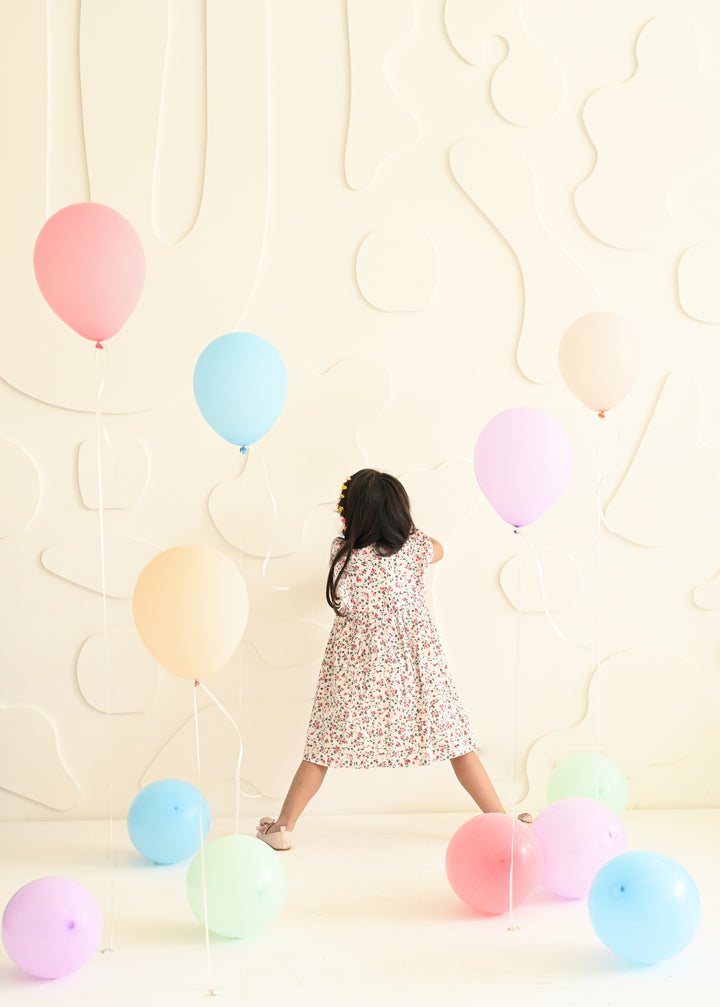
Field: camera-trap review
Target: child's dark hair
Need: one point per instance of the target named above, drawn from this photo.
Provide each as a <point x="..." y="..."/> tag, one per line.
<point x="376" y="511"/>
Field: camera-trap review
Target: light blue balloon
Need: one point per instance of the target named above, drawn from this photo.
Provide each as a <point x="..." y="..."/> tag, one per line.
<point x="163" y="821"/>
<point x="240" y="384"/>
<point x="644" y="906"/>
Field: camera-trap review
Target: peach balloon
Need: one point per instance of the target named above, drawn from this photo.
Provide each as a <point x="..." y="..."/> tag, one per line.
<point x="600" y="357"/>
<point x="190" y="607"/>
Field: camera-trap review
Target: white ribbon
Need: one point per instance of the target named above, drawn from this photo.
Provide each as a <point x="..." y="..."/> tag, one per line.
<point x="275" y="587"/>
<point x="239" y="792"/>
<point x="101" y="355"/>
<point x="211" y="989"/>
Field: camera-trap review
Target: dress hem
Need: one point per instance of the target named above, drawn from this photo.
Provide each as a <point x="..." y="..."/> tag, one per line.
<point x="400" y="764"/>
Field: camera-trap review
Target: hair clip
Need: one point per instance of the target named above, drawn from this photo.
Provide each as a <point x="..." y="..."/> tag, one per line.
<point x="340" y="498"/>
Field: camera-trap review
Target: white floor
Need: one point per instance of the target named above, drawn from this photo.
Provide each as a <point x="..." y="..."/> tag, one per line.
<point x="369" y="918"/>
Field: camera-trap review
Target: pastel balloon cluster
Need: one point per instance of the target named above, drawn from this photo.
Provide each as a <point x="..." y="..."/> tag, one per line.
<point x="643" y="905"/>
<point x="240" y="880"/>
<point x="89" y="265"/>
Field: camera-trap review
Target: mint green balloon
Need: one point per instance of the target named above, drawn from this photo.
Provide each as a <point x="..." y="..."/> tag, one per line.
<point x="246" y="885"/>
<point x="589" y="775"/>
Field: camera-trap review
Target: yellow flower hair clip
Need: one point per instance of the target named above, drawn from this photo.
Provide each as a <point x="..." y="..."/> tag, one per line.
<point x="342" y="495"/>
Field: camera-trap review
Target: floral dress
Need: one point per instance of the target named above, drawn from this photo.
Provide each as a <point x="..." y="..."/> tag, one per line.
<point x="385" y="696"/>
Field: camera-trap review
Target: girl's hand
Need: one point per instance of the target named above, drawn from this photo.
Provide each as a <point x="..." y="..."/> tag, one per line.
<point x="438" y="551"/>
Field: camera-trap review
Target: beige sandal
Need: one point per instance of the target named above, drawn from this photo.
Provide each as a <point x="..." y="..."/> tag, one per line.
<point x="278" y="840"/>
<point x="526" y="818"/>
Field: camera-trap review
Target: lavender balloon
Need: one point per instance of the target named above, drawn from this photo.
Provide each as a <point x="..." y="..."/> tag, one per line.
<point x="523" y="463"/>
<point x="578" y="836"/>
<point x="51" y="927"/>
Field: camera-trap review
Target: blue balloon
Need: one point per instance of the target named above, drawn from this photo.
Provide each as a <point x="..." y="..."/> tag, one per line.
<point x="163" y="821"/>
<point x="240" y="384"/>
<point x="644" y="906"/>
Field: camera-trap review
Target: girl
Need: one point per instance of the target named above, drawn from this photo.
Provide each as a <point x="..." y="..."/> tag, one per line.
<point x="385" y="696"/>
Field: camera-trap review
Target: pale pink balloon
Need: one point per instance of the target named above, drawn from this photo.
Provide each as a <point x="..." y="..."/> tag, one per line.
<point x="600" y="357"/>
<point x="523" y="463"/>
<point x="90" y="267"/>
<point x="481" y="857"/>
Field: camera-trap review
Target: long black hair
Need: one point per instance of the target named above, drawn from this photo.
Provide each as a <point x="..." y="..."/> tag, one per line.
<point x="376" y="511"/>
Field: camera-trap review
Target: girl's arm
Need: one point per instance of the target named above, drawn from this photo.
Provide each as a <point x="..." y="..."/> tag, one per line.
<point x="438" y="551"/>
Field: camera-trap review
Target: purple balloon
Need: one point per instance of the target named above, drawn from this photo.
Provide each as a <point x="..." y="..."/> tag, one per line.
<point x="51" y="927"/>
<point x="578" y="836"/>
<point x="523" y="463"/>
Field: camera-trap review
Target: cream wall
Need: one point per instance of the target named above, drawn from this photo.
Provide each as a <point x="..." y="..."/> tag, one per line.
<point x="411" y="201"/>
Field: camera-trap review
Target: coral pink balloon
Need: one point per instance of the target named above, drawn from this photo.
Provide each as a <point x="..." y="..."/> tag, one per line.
<point x="478" y="861"/>
<point x="600" y="356"/>
<point x="578" y="836"/>
<point x="190" y="606"/>
<point x="523" y="463"/>
<point x="51" y="927"/>
<point x="90" y="267"/>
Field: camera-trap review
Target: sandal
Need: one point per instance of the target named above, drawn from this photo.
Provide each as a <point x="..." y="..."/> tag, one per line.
<point x="526" y="818"/>
<point x="278" y="840"/>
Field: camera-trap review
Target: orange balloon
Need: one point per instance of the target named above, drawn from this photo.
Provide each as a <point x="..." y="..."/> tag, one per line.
<point x="600" y="357"/>
<point x="190" y="607"/>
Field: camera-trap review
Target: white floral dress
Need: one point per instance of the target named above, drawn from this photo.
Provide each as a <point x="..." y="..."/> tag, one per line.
<point x="385" y="696"/>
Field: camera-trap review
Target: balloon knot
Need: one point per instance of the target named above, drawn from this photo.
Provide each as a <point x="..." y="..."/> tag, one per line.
<point x="243" y="450"/>
<point x="99" y="345"/>
<point x="196" y="683"/>
<point x="601" y="414"/>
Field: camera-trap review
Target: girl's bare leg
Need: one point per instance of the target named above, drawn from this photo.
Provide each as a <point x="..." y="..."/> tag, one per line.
<point x="304" y="786"/>
<point x="474" y="778"/>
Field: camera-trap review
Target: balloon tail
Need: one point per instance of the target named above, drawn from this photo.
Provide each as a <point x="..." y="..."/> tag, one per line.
<point x="211" y="989"/>
<point x="546" y="610"/>
<point x="268" y="554"/>
<point x="600" y="520"/>
<point x="239" y="792"/>
<point x="516" y="711"/>
<point x="106" y="655"/>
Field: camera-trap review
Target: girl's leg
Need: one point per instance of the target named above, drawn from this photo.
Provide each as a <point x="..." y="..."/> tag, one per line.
<point x="472" y="775"/>
<point x="305" y="785"/>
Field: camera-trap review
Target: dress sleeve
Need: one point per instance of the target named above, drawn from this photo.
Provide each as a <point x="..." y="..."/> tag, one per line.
<point x="337" y="544"/>
<point x="424" y="547"/>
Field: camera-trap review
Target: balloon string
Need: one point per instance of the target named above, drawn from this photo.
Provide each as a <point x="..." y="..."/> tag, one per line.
<point x="269" y="166"/>
<point x="108" y="689"/>
<point x="211" y="988"/>
<point x="543" y="595"/>
<point x="600" y="520"/>
<point x="516" y="717"/>
<point x="239" y="792"/>
<point x="275" y="587"/>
